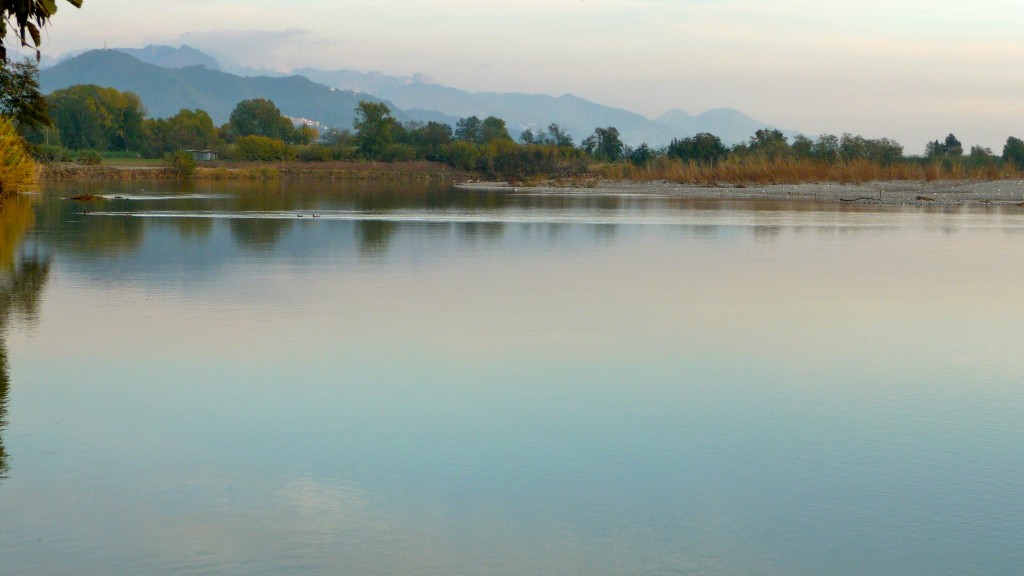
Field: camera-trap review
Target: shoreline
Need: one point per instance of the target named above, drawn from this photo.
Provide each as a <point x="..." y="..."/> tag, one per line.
<point x="941" y="192"/>
<point x="893" y="192"/>
<point x="340" y="170"/>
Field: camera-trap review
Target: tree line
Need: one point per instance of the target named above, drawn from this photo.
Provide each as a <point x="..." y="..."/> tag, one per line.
<point x="91" y="118"/>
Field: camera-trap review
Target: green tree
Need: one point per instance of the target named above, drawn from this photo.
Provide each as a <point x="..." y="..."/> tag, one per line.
<point x="493" y="128"/>
<point x="1013" y="151"/>
<point x="374" y="128"/>
<point x="953" y="146"/>
<point x="802" y="146"/>
<point x="259" y="117"/>
<point x="305" y="134"/>
<point x="20" y="100"/>
<point x="770" y="143"/>
<point x="431" y="139"/>
<point x="981" y="156"/>
<point x="463" y="155"/>
<point x="559" y="137"/>
<point x="186" y="130"/>
<point x="642" y="155"/>
<point x="826" y="148"/>
<point x="883" y="151"/>
<point x="88" y="116"/>
<point x="852" y="147"/>
<point x="950" y="147"/>
<point x="605" y="144"/>
<point x="28" y="18"/>
<point x="704" y="147"/>
<point x="470" y="129"/>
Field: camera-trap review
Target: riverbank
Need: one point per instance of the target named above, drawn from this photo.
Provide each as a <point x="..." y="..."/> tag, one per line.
<point x="942" y="192"/>
<point x="155" y="170"/>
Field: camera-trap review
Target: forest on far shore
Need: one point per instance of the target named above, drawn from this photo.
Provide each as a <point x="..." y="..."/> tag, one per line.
<point x="85" y="123"/>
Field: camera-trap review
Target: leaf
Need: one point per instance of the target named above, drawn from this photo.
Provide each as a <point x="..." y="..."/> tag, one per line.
<point x="49" y="6"/>
<point x="36" y="37"/>
<point x="75" y="3"/>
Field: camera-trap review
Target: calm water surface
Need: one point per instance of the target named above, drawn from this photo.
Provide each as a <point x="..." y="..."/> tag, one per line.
<point x="372" y="380"/>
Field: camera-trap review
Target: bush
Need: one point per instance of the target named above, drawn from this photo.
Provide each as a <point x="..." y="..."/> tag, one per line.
<point x="262" y="149"/>
<point x="462" y="155"/>
<point x="315" y="153"/>
<point x="44" y="153"/>
<point x="181" y="163"/>
<point x="399" y="153"/>
<point x="89" y="158"/>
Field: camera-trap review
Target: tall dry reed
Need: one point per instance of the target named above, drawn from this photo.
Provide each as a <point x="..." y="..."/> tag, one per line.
<point x="764" y="171"/>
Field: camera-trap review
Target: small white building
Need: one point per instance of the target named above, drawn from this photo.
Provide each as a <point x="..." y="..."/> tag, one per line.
<point x="202" y="155"/>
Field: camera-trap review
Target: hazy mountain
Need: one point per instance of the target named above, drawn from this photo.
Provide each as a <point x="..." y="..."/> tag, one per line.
<point x="168" y="57"/>
<point x="169" y="79"/>
<point x="536" y="111"/>
<point x="165" y="91"/>
<point x="371" y="82"/>
<point x="729" y="124"/>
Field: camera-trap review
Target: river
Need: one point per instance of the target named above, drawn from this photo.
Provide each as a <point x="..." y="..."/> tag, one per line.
<point x="301" y="378"/>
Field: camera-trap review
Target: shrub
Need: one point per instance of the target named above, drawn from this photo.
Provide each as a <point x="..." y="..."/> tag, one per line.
<point x="399" y="153"/>
<point x="315" y="153"/>
<point x="17" y="170"/>
<point x="181" y="163"/>
<point x="463" y="155"/>
<point x="262" y="149"/>
<point x="89" y="158"/>
<point x="44" y="153"/>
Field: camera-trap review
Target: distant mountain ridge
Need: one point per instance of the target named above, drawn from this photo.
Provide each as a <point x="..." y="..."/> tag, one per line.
<point x="165" y="91"/>
<point x="370" y="82"/>
<point x="169" y="57"/>
<point x="169" y="79"/>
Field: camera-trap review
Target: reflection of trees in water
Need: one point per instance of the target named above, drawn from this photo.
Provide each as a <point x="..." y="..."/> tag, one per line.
<point x="193" y="227"/>
<point x="65" y="225"/>
<point x="4" y="385"/>
<point x="374" y="236"/>
<point x="763" y="232"/>
<point x="261" y="233"/>
<point x="16" y="216"/>
<point x="489" y="231"/>
<point x="21" y="286"/>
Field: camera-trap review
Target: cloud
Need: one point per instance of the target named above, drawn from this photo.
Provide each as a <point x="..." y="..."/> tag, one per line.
<point x="279" y="49"/>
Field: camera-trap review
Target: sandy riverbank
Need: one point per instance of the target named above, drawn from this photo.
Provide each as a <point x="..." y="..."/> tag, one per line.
<point x="946" y="192"/>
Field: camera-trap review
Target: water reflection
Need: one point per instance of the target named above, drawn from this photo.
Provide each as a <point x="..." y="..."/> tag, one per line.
<point x="374" y="237"/>
<point x="22" y="278"/>
<point x="258" y="233"/>
<point x="432" y="379"/>
<point x="5" y="383"/>
<point x="261" y="215"/>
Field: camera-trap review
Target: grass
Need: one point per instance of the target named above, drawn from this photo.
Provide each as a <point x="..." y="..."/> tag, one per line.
<point x="335" y="170"/>
<point x="133" y="162"/>
<point x="761" y="171"/>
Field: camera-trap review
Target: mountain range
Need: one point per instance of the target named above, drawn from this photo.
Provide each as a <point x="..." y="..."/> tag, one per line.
<point x="169" y="79"/>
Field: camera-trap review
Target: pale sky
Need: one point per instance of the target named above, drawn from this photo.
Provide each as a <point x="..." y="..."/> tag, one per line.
<point x="909" y="70"/>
